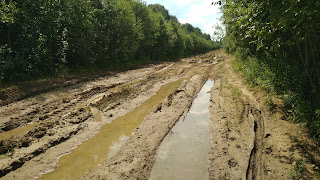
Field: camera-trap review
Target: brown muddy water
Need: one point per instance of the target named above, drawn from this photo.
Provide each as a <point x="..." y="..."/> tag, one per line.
<point x="17" y="131"/>
<point x="183" y="154"/>
<point x="110" y="138"/>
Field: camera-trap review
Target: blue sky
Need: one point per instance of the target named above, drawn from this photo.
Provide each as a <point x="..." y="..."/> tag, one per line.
<point x="199" y="13"/>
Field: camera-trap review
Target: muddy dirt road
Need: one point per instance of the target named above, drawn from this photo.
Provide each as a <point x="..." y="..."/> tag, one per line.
<point x="111" y="126"/>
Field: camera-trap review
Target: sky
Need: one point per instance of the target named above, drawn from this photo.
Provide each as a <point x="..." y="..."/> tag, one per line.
<point x="199" y="13"/>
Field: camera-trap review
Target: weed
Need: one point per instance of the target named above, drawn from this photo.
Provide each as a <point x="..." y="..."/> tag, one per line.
<point x="228" y="125"/>
<point x="317" y="112"/>
<point x="235" y="92"/>
<point x="242" y="111"/>
<point x="268" y="102"/>
<point x="298" y="170"/>
<point x="9" y="145"/>
<point x="59" y="93"/>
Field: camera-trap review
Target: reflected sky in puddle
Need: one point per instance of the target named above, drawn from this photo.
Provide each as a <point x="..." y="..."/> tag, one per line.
<point x="183" y="154"/>
<point x="108" y="141"/>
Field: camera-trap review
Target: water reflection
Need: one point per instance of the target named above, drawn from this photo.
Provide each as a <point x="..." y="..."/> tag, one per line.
<point x="183" y="154"/>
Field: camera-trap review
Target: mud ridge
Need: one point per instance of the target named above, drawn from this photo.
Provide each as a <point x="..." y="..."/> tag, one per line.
<point x="237" y="135"/>
<point x="52" y="109"/>
<point x="136" y="157"/>
<point x="17" y="93"/>
<point x="29" y="89"/>
<point x="51" y="132"/>
<point x="79" y="116"/>
<point x="248" y="141"/>
<point x="17" y="162"/>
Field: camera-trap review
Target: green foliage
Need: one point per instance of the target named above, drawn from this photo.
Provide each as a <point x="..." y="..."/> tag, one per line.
<point x="47" y="38"/>
<point x="7" y="10"/>
<point x="268" y="102"/>
<point x="160" y="9"/>
<point x="298" y="170"/>
<point x="255" y="72"/>
<point x="276" y="46"/>
<point x="219" y="33"/>
<point x="317" y="112"/>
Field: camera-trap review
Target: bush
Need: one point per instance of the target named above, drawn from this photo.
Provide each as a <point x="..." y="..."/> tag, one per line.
<point x="44" y="39"/>
<point x="276" y="47"/>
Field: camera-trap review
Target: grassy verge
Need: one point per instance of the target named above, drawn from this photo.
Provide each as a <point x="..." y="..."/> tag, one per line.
<point x="301" y="103"/>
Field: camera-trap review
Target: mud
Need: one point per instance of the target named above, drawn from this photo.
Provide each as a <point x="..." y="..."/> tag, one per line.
<point x="44" y="124"/>
<point x="94" y="151"/>
<point x="41" y="136"/>
<point x="183" y="154"/>
<point x="248" y="140"/>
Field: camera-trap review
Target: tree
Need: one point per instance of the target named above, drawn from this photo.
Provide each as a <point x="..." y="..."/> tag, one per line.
<point x="157" y="8"/>
<point x="47" y="38"/>
<point x="283" y="38"/>
<point x="219" y="33"/>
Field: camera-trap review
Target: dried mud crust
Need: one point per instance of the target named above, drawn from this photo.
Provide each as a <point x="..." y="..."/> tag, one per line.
<point x="57" y="121"/>
<point x="53" y="103"/>
<point x="28" y="89"/>
<point x="249" y="141"/>
<point x="38" y="130"/>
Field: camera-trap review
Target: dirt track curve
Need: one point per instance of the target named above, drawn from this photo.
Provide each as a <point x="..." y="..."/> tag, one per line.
<point x="44" y="128"/>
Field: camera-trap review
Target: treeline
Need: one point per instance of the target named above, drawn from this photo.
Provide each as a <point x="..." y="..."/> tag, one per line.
<point x="45" y="38"/>
<point x="277" y="44"/>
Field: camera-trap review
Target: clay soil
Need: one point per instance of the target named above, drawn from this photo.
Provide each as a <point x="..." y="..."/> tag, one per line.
<point x="42" y="123"/>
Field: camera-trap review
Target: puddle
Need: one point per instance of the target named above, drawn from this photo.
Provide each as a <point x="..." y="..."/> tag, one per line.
<point x="109" y="140"/>
<point x="183" y="154"/>
<point x="17" y="131"/>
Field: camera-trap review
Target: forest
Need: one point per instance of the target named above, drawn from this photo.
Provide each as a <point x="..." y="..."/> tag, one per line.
<point x="276" y="44"/>
<point x="120" y="89"/>
<point x="52" y="38"/>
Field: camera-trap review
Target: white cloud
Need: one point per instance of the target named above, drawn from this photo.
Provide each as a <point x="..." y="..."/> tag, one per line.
<point x="203" y="15"/>
<point x="209" y="27"/>
<point x="185" y="2"/>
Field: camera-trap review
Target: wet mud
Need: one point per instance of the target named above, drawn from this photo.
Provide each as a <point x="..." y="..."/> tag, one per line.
<point x="183" y="154"/>
<point x="94" y="151"/>
<point x="47" y="128"/>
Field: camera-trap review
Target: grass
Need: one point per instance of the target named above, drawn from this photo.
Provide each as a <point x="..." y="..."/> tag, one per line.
<point x="298" y="170"/>
<point x="228" y="125"/>
<point x="301" y="101"/>
<point x="10" y="145"/>
<point x="268" y="102"/>
<point x="309" y="150"/>
<point x="235" y="92"/>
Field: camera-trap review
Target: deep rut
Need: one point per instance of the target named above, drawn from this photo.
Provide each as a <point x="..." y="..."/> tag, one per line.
<point x="49" y="124"/>
<point x="248" y="141"/>
<point x="238" y="134"/>
<point x="255" y="161"/>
